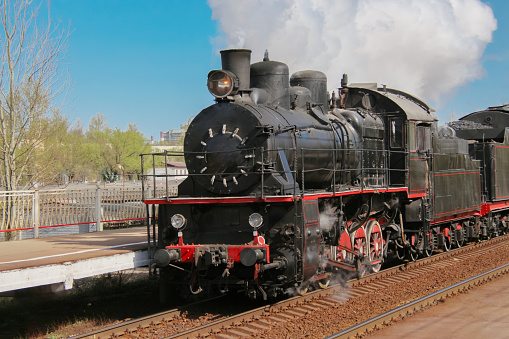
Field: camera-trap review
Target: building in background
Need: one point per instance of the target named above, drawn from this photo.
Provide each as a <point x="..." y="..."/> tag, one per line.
<point x="173" y="174"/>
<point x="172" y="135"/>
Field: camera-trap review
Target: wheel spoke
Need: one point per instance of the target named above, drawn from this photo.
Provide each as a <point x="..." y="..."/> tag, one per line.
<point x="400" y="253"/>
<point x="412" y="254"/>
<point x="376" y="245"/>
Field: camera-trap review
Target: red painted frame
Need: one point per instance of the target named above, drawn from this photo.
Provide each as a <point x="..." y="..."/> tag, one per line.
<point x="187" y="251"/>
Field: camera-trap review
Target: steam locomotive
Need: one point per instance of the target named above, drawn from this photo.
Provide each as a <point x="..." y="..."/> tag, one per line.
<point x="289" y="186"/>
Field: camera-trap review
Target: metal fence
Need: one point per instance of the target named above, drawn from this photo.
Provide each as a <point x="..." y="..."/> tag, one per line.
<point x="43" y="213"/>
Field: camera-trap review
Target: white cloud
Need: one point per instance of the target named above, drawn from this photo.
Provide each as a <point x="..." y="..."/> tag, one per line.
<point x="427" y="48"/>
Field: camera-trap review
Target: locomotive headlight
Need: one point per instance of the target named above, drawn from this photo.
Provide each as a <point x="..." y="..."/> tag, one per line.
<point x="255" y="220"/>
<point x="222" y="83"/>
<point x="178" y="221"/>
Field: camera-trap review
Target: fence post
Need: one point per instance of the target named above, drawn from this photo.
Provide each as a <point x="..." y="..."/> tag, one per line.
<point x="36" y="211"/>
<point x="98" y="207"/>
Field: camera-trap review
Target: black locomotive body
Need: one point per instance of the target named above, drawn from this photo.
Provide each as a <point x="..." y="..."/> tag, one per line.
<point x="288" y="186"/>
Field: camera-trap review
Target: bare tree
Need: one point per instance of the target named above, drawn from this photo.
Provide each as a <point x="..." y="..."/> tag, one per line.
<point x="32" y="77"/>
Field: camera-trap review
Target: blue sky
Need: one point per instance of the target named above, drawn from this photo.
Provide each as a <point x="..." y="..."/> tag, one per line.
<point x="142" y="62"/>
<point x="146" y="62"/>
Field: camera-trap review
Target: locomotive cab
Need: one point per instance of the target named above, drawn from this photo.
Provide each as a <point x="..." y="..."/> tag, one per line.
<point x="409" y="123"/>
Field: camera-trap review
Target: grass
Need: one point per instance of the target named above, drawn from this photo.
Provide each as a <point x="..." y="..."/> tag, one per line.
<point x="92" y="303"/>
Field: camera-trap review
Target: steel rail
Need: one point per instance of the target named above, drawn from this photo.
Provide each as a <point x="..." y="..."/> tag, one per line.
<point x="134" y="324"/>
<point x="417" y="305"/>
<point x="231" y="321"/>
<point x="248" y="316"/>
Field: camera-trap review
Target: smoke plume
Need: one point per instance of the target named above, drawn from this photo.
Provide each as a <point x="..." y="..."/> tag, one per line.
<point x="427" y="48"/>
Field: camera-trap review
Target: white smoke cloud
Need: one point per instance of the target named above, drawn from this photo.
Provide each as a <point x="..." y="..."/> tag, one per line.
<point x="427" y="48"/>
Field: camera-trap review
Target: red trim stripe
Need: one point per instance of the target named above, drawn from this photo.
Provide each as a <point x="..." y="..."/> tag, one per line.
<point x="417" y="195"/>
<point x="243" y="200"/>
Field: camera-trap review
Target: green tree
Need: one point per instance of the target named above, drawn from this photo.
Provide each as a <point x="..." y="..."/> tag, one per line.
<point x="126" y="148"/>
<point x="50" y="158"/>
<point x="97" y="146"/>
<point x="77" y="164"/>
<point x="112" y="152"/>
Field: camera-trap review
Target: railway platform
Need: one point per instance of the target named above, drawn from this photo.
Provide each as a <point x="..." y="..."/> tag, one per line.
<point x="479" y="313"/>
<point x="55" y="262"/>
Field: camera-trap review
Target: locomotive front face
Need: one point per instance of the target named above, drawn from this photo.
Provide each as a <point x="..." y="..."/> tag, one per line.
<point x="221" y="145"/>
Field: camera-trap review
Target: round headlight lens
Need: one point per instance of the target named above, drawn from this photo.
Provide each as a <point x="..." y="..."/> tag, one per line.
<point x="221" y="83"/>
<point x="255" y="220"/>
<point x="178" y="221"/>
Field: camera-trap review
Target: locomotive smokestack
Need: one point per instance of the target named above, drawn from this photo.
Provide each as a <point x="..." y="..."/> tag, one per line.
<point x="238" y="61"/>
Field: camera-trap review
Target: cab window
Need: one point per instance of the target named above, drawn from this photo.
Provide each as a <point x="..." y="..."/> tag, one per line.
<point x="396" y="132"/>
<point x="422" y="138"/>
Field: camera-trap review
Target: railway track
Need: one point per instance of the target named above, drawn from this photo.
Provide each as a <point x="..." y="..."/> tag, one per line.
<point x="139" y="324"/>
<point x="419" y="304"/>
<point x="357" y="301"/>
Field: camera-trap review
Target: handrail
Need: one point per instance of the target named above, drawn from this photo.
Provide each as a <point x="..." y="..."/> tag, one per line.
<point x="368" y="176"/>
